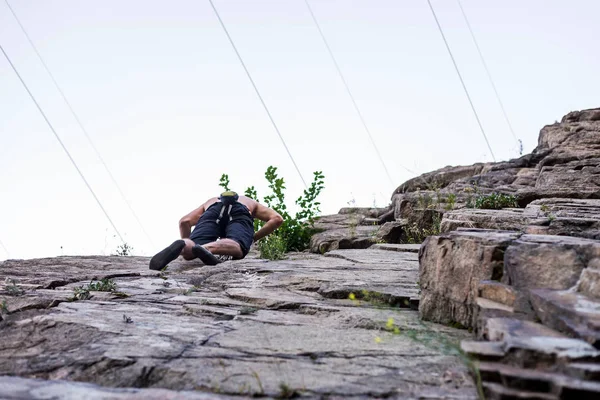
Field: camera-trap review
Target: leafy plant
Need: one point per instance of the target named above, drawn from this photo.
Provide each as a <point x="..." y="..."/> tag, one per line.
<point x="286" y="392"/>
<point x="296" y="230"/>
<point x="450" y="202"/>
<point x="80" y="293"/>
<point x="12" y="288"/>
<point x="272" y="247"/>
<point x="190" y="290"/>
<point x="224" y="182"/>
<point x="495" y="201"/>
<point x="247" y="310"/>
<point x="3" y="307"/>
<point x="104" y="285"/>
<point x="123" y="250"/>
<point x="416" y="234"/>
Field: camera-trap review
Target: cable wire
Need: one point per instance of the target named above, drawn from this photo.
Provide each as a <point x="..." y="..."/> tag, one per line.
<point x="78" y="120"/>
<point x="461" y="79"/>
<point x="61" y="143"/>
<point x="257" y="92"/>
<point x="5" y="249"/>
<point x="487" y="71"/>
<point x="356" y="108"/>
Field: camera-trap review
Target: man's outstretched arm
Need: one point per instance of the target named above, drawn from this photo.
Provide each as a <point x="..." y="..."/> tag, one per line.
<point x="191" y="219"/>
<point x="271" y="217"/>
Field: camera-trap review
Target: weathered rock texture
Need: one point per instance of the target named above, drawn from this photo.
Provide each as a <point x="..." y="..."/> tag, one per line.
<point x="565" y="164"/>
<point x="250" y="328"/>
<point x="526" y="280"/>
<point x="558" y="184"/>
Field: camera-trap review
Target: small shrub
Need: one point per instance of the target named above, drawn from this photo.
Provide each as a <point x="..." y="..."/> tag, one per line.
<point x="296" y="230"/>
<point x="123" y="250"/>
<point x="12" y="288"/>
<point x="3" y="307"/>
<point x="272" y="247"/>
<point x="104" y="285"/>
<point x="450" y="202"/>
<point x="495" y="201"/>
<point x="286" y="392"/>
<point x="416" y="234"/>
<point x="247" y="310"/>
<point x="80" y="293"/>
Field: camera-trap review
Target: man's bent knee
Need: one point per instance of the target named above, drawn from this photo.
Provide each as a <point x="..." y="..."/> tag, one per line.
<point x="186" y="253"/>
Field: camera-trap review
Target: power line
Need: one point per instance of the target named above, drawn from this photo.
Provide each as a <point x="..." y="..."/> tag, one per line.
<point x="461" y="79"/>
<point x="487" y="71"/>
<point x="257" y="92"/>
<point x="5" y="249"/>
<point x="78" y="120"/>
<point x="356" y="108"/>
<point x="61" y="143"/>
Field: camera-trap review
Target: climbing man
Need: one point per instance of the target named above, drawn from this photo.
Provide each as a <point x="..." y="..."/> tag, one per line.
<point x="224" y="226"/>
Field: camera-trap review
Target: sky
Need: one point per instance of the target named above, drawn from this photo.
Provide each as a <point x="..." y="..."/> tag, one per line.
<point x="167" y="104"/>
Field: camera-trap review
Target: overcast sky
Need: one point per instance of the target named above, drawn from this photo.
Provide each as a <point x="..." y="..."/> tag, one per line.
<point x="169" y="107"/>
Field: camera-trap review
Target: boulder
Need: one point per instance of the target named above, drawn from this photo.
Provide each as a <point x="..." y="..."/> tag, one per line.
<point x="569" y="312"/>
<point x="553" y="262"/>
<point x="565" y="164"/>
<point x="450" y="269"/>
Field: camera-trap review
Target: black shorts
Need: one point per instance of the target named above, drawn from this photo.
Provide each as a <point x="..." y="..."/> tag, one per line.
<point x="240" y="227"/>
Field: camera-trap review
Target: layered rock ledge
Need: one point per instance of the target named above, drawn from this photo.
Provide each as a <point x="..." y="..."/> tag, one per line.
<point x="242" y="328"/>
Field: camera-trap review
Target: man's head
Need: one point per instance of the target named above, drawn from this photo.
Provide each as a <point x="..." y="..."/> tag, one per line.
<point x="229" y="197"/>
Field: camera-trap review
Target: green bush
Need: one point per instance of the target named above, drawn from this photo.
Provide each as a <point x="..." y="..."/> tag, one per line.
<point x="272" y="247"/>
<point x="296" y="231"/>
<point x="495" y="201"/>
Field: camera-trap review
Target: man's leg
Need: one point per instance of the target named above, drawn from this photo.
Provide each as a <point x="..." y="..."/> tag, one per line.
<point x="187" y="250"/>
<point x="225" y="247"/>
<point x="164" y="257"/>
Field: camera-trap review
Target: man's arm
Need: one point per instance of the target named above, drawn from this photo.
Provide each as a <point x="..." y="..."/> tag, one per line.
<point x="186" y="223"/>
<point x="271" y="217"/>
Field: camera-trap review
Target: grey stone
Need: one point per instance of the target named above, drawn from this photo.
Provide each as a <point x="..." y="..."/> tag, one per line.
<point x="411" y="248"/>
<point x="392" y="232"/>
<point x="16" y="388"/>
<point x="498" y="292"/>
<point x="569" y="312"/>
<point x="451" y="267"/>
<point x="499" y="329"/>
<point x="553" y="262"/>
<point x="239" y="328"/>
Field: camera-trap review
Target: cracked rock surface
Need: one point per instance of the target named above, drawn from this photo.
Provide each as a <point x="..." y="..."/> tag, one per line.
<point x="242" y="328"/>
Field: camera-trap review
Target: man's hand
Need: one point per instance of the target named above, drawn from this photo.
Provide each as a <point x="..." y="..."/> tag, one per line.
<point x="271" y="217"/>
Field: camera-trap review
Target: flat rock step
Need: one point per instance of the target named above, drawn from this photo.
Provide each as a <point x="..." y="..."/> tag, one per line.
<point x="498" y="292"/>
<point x="549" y="384"/>
<point x="529" y="351"/>
<point x="16" y="388"/>
<point x="499" y="329"/>
<point x="410" y="248"/>
<point x="495" y="391"/>
<point x="569" y="312"/>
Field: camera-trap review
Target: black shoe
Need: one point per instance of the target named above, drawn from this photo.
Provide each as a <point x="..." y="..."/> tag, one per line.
<point x="205" y="256"/>
<point x="162" y="259"/>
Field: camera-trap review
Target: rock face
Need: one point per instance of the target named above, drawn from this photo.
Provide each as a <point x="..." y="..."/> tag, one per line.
<point x="249" y="327"/>
<point x="525" y="280"/>
<point x="565" y="164"/>
<point x="467" y="274"/>
<point x="451" y="268"/>
<point x="558" y="184"/>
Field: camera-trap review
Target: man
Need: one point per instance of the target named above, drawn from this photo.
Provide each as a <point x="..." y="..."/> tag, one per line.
<point x="223" y="226"/>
